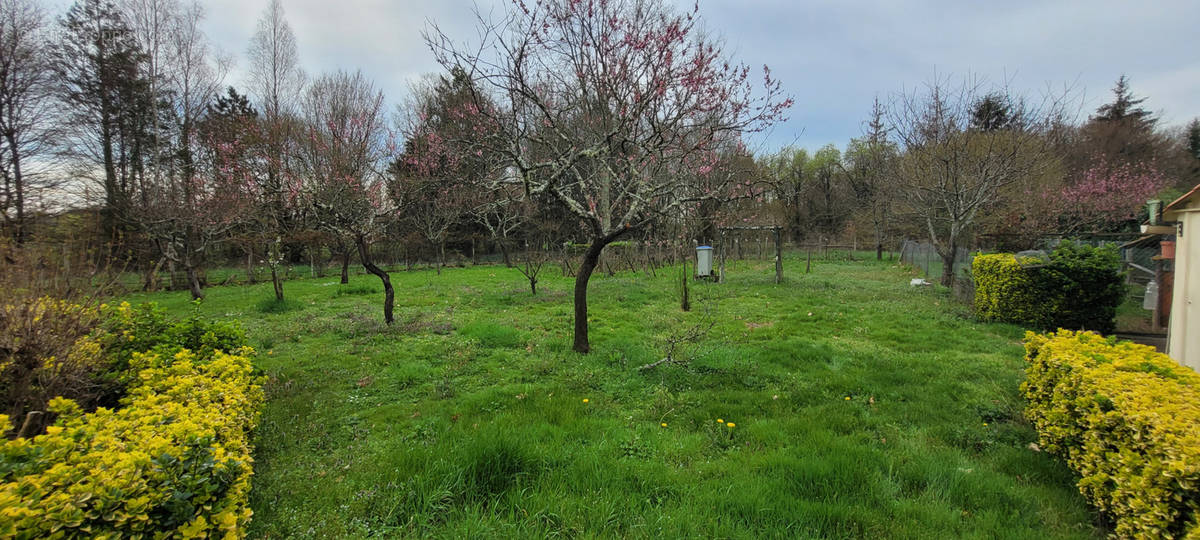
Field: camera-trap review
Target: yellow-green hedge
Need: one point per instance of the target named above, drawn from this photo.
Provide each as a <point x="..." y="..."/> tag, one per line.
<point x="1127" y="419"/>
<point x="172" y="461"/>
<point x="1005" y="292"/>
<point x="1079" y="288"/>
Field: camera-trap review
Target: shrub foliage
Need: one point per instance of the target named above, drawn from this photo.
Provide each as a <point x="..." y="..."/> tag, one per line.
<point x="1079" y="289"/>
<point x="1127" y="419"/>
<point x="171" y="459"/>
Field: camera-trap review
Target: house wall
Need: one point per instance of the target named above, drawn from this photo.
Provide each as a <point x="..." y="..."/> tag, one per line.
<point x="1184" y="334"/>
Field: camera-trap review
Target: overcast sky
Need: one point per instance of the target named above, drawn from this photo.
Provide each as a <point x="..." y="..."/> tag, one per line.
<point x="833" y="56"/>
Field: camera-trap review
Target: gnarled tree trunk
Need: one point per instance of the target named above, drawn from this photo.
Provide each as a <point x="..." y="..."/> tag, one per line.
<point x="590" y="259"/>
<point x="389" y="294"/>
<point x="193" y="278"/>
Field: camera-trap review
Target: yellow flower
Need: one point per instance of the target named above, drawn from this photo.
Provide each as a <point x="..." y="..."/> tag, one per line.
<point x="985" y="424"/>
<point x="585" y="400"/>
<point x="847" y="398"/>
<point x="719" y="421"/>
<point x="664" y="424"/>
<point x="731" y="424"/>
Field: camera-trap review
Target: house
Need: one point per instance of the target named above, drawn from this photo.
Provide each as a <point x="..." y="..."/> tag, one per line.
<point x="1183" y="332"/>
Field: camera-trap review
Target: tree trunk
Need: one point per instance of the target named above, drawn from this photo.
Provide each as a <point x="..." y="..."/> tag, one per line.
<point x="389" y="295"/>
<point x="948" y="265"/>
<point x="250" y="266"/>
<point x="586" y="266"/>
<point x="685" y="302"/>
<point x="194" y="282"/>
<point x="441" y="255"/>
<point x="504" y="252"/>
<point x="151" y="283"/>
<point x="346" y="266"/>
<point x="879" y="251"/>
<point x="19" y="188"/>
<point x="277" y="282"/>
<point x="533" y="286"/>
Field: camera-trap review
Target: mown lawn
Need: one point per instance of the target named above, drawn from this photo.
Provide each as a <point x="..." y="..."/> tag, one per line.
<point x="863" y="408"/>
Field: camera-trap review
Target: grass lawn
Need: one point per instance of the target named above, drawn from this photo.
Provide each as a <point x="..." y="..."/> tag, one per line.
<point x="863" y="408"/>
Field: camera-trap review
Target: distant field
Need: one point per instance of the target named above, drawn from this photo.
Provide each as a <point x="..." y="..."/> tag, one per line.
<point x="861" y="408"/>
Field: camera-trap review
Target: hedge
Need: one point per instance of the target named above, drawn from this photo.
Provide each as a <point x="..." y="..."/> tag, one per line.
<point x="1079" y="289"/>
<point x="1127" y="420"/>
<point x="1006" y="292"/>
<point x="173" y="460"/>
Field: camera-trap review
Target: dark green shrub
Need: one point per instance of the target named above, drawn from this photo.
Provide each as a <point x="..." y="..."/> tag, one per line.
<point x="1088" y="284"/>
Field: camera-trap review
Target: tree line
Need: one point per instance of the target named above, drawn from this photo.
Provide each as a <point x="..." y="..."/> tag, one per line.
<point x="960" y="161"/>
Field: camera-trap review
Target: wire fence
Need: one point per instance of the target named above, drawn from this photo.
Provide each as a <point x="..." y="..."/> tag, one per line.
<point x="924" y="257"/>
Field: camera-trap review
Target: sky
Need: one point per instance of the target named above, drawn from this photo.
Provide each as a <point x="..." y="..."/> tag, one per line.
<point x="833" y="56"/>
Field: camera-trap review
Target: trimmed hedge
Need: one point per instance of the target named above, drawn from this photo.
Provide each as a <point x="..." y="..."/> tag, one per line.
<point x="1127" y="419"/>
<point x="171" y="460"/>
<point x="1005" y="292"/>
<point x="174" y="460"/>
<point x="1079" y="289"/>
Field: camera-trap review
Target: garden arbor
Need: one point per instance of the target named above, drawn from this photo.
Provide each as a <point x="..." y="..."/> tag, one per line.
<point x="722" y="247"/>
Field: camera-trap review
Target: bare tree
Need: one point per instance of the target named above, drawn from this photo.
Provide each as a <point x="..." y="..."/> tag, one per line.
<point x="612" y="109"/>
<point x="26" y="109"/>
<point x="341" y="157"/>
<point x="183" y="210"/>
<point x="951" y="170"/>
<point x="151" y="24"/>
<point x="276" y="81"/>
<point x="868" y="166"/>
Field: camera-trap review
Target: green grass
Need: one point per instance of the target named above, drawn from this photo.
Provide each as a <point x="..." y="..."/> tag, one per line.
<point x="466" y="418"/>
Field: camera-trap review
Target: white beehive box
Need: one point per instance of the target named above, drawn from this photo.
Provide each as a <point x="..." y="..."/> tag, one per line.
<point x="704" y="259"/>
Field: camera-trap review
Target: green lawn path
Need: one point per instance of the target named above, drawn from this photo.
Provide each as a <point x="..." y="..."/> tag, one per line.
<point x="862" y="407"/>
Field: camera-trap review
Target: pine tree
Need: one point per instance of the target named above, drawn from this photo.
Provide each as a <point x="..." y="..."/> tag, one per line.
<point x="1122" y="131"/>
<point x="991" y="113"/>
<point x="1125" y="108"/>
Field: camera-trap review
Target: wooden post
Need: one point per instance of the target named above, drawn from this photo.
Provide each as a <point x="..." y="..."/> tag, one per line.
<point x="721" y="272"/>
<point x="778" y="256"/>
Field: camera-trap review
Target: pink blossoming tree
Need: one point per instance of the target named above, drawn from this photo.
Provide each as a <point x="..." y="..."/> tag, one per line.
<point x="1107" y="197"/>
<point x="608" y="107"/>
<point x="340" y="155"/>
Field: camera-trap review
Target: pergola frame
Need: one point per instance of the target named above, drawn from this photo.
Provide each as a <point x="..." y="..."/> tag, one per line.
<point x="778" y="248"/>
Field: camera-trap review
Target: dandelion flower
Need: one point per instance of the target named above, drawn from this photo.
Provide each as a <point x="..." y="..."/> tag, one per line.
<point x="847" y="398"/>
<point x="585" y="400"/>
<point x="985" y="424"/>
<point x="719" y="421"/>
<point x="731" y="424"/>
<point x="664" y="424"/>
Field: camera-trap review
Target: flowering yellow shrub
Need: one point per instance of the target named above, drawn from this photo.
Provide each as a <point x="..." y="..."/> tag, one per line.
<point x="1127" y="419"/>
<point x="172" y="461"/>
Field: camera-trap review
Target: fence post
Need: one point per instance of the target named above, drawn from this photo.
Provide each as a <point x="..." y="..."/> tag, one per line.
<point x="721" y="272"/>
<point x="778" y="256"/>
